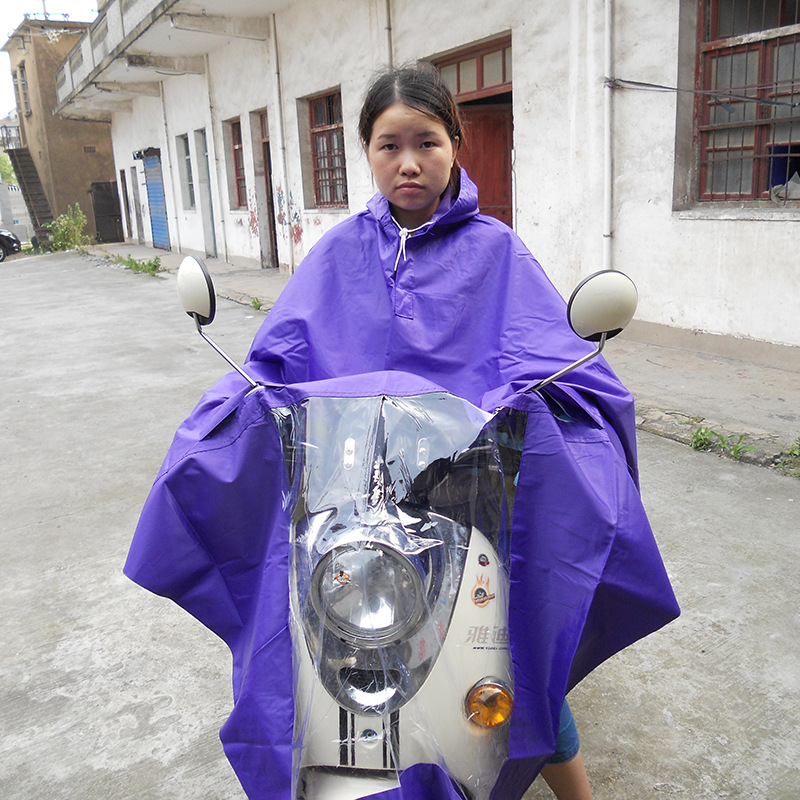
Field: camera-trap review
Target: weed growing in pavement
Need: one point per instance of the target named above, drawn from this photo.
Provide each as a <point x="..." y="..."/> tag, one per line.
<point x="705" y="438"/>
<point x="788" y="462"/>
<point x="151" y="267"/>
<point x="256" y="303"/>
<point x="735" y="449"/>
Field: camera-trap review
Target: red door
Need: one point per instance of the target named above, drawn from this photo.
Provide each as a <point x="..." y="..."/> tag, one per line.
<point x="486" y="156"/>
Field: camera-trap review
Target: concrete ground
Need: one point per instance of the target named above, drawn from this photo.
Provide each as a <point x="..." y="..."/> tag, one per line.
<point x="111" y="693"/>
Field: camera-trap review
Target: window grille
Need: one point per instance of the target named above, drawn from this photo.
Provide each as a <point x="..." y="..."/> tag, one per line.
<point x="327" y="151"/>
<point x="749" y="100"/>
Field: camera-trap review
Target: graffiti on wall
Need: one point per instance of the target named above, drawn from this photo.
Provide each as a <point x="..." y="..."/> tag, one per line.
<point x="289" y="215"/>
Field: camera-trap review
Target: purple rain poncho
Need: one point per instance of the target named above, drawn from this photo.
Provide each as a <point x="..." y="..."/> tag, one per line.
<point x="459" y="305"/>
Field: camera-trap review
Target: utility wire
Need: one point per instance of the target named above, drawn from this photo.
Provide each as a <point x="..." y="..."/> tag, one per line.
<point x="621" y="83"/>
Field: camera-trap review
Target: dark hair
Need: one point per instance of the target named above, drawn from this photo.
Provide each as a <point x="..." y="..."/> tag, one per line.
<point x="419" y="87"/>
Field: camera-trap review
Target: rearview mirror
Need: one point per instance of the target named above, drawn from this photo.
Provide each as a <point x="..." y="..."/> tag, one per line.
<point x="599" y="308"/>
<point x="603" y="303"/>
<point x="196" y="290"/>
<point x="199" y="301"/>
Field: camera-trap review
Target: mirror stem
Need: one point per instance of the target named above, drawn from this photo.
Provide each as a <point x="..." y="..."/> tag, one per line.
<point x="574" y="365"/>
<point x="223" y="353"/>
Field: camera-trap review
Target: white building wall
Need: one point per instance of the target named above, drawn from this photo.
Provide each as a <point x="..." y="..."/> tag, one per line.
<point x="186" y="107"/>
<point x="238" y="74"/>
<point x="729" y="272"/>
<point x="326" y="46"/>
<point x="137" y="128"/>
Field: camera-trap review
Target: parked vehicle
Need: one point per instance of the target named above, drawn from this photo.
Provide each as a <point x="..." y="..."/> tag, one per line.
<point x="9" y="244"/>
<point x="351" y="539"/>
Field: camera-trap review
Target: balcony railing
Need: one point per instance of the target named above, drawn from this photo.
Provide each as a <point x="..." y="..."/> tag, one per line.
<point x="118" y="18"/>
<point x="9" y="137"/>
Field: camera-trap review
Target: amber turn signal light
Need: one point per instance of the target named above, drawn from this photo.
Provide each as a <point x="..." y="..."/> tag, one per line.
<point x="489" y="703"/>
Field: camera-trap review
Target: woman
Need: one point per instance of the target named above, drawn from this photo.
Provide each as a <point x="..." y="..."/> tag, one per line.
<point x="411" y="131"/>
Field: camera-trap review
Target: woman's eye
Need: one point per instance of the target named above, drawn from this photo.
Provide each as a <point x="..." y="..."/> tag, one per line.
<point x="428" y="145"/>
<point x="389" y="146"/>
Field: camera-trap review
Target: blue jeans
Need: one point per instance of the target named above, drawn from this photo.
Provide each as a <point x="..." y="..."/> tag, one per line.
<point x="568" y="743"/>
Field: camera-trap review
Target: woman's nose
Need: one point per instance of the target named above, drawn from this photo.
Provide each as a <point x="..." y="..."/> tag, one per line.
<point x="409" y="164"/>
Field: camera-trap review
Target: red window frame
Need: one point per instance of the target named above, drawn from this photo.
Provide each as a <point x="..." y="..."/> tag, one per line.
<point x="327" y="150"/>
<point x="454" y="69"/>
<point x="238" y="164"/>
<point x="748" y="130"/>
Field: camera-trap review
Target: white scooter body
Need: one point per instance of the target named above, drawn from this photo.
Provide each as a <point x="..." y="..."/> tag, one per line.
<point x="432" y="727"/>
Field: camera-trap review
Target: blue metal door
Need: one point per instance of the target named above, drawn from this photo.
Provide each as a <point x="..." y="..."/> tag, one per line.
<point x="155" y="199"/>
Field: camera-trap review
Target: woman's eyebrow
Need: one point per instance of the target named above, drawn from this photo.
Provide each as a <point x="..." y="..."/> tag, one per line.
<point x="420" y="135"/>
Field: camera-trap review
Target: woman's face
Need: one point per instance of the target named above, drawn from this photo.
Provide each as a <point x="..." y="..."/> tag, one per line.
<point x="410" y="155"/>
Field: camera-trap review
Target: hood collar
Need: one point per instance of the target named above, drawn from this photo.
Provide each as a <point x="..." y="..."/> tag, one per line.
<point x="449" y="212"/>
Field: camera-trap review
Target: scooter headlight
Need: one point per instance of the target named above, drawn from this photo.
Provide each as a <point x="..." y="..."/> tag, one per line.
<point x="369" y="593"/>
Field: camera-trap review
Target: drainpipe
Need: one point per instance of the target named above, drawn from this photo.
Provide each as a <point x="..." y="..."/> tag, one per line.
<point x="607" y="148"/>
<point x="389" y="45"/>
<point x="282" y="129"/>
<point x="221" y="179"/>
<point x="175" y="190"/>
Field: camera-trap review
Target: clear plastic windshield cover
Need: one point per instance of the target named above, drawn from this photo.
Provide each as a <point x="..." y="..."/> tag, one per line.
<point x="400" y="520"/>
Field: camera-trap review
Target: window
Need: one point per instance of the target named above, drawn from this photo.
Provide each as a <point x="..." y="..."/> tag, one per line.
<point x="239" y="193"/>
<point x="185" y="170"/>
<point x="327" y="151"/>
<point x="21" y="90"/>
<point x="98" y="32"/>
<point x="749" y="99"/>
<point x="483" y="71"/>
<point x="76" y="58"/>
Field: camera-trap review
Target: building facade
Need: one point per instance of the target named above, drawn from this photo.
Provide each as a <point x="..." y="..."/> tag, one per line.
<point x="13" y="213"/>
<point x="662" y="141"/>
<point x="58" y="161"/>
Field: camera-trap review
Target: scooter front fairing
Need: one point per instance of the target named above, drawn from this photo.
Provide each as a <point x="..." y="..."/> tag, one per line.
<point x="400" y="538"/>
<point x="353" y="542"/>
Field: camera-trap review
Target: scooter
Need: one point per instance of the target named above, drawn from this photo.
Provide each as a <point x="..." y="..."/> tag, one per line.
<point x="400" y="511"/>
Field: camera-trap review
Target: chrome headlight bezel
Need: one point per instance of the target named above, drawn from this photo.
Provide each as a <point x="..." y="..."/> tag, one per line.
<point x="345" y="592"/>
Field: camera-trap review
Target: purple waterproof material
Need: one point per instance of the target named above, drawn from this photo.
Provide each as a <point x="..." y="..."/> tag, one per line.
<point x="467" y="310"/>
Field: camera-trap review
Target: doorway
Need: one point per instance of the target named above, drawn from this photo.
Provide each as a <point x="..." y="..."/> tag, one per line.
<point x="486" y="155"/>
<point x="126" y="203"/>
<point x="154" y="183"/>
<point x="480" y="79"/>
<point x="137" y="206"/>
<point x="267" y="225"/>
<point x="107" y="216"/>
